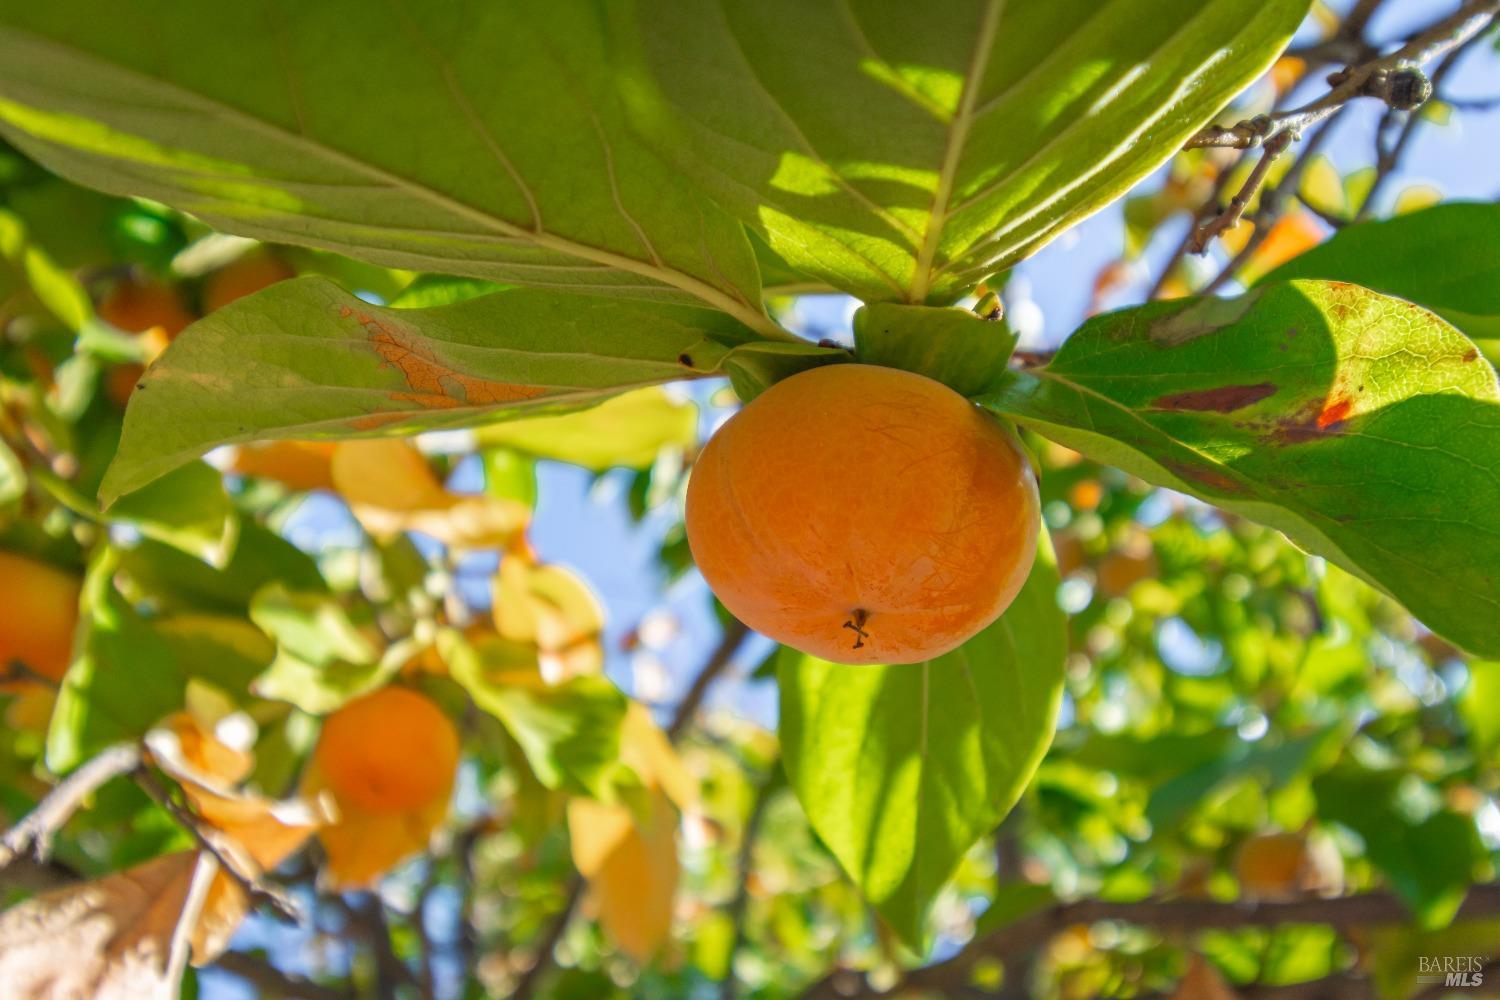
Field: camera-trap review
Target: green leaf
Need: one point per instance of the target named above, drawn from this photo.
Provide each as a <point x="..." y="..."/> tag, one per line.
<point x="1480" y="707"/>
<point x="569" y="732"/>
<point x="963" y="351"/>
<point x="1364" y="428"/>
<point x="626" y="430"/>
<point x="173" y="579"/>
<point x="486" y="142"/>
<point x="1446" y="258"/>
<point x="1430" y="862"/>
<point x="123" y="679"/>
<point x="25" y="265"/>
<point x="322" y="659"/>
<point x="230" y="652"/>
<point x="12" y="476"/>
<point x="304" y="359"/>
<point x="902" y="768"/>
<point x="907" y="151"/>
<point x="186" y="509"/>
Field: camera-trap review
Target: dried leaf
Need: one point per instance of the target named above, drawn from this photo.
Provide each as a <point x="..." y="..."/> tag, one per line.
<point x="110" y="937"/>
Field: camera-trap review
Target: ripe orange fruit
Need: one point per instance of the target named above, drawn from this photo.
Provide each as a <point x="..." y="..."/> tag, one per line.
<point x="863" y="515"/>
<point x="138" y="306"/>
<point x="250" y="273"/>
<point x="38" y="613"/>
<point x="392" y="750"/>
<point x="1272" y="865"/>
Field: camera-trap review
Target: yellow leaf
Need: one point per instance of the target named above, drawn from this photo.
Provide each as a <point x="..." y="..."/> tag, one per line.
<point x="1323" y="187"/>
<point x="1416" y="197"/>
<point x="551" y="608"/>
<point x="648" y="752"/>
<point x="116" y="936"/>
<point x="631" y="865"/>
<point x="391" y="488"/>
<point x="625" y="430"/>
<point x="188" y="748"/>
<point x="298" y="465"/>
<point x="1288" y="238"/>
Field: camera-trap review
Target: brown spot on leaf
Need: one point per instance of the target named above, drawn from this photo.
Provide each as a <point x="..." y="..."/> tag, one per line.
<point x="371" y="421"/>
<point x="1472" y="354"/>
<point x="434" y="385"/>
<point x="1334" y="412"/>
<point x="1222" y="399"/>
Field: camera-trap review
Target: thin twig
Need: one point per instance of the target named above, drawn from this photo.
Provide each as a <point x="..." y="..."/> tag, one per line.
<point x="230" y="856"/>
<point x="1377" y="78"/>
<point x="1388" y="157"/>
<point x="547" y="946"/>
<point x="34" y="833"/>
<point x="1232" y="214"/>
<point x="269" y="980"/>
<point x="734" y="636"/>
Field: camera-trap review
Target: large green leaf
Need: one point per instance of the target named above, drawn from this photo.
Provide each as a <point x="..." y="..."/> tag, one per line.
<point x="905" y="150"/>
<point x="478" y="140"/>
<point x="1363" y="427"/>
<point x="186" y="509"/>
<point x="306" y="359"/>
<point x="1446" y="258"/>
<point x="902" y="768"/>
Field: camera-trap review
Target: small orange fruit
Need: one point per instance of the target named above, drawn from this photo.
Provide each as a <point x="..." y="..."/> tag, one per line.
<point x="1272" y="865"/>
<point x="38" y="613"/>
<point x="139" y="306"/>
<point x="863" y="515"/>
<point x="389" y="751"/>
<point x="250" y="273"/>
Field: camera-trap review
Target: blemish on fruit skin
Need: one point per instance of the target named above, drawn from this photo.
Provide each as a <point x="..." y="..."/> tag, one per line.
<point x="1222" y="399"/>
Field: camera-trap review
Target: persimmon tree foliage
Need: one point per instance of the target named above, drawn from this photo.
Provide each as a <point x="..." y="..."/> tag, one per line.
<point x="1164" y="662"/>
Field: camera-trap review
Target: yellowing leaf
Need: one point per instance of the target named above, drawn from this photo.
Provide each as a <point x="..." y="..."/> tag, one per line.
<point x="1416" y="197"/>
<point x="363" y="845"/>
<point x="631" y="864"/>
<point x="189" y="748"/>
<point x="648" y="752"/>
<point x="551" y="608"/>
<point x="1323" y="187"/>
<point x="298" y="465"/>
<point x="1289" y="237"/>
<point x="626" y="430"/>
<point x="391" y="488"/>
<point x="115" y="936"/>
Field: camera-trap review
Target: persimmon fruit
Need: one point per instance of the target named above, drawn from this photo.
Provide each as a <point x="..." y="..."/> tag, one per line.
<point x="389" y="751"/>
<point x="38" y="613"/>
<point x="1272" y="865"/>
<point x="863" y="515"/>
<point x="139" y="306"/>
<point x="249" y="274"/>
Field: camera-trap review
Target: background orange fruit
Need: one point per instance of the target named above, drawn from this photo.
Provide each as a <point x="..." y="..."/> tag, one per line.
<point x="250" y="273"/>
<point x="392" y="750"/>
<point x="863" y="515"/>
<point x="38" y="613"/>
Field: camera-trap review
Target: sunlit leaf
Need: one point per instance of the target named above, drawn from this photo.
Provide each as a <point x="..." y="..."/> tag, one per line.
<point x="628" y="430"/>
<point x="1364" y="428"/>
<point x="899" y="154"/>
<point x="902" y="768"/>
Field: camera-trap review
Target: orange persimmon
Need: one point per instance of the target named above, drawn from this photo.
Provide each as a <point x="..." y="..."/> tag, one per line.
<point x="139" y="306"/>
<point x="38" y="613"/>
<point x="250" y="273"/>
<point x="863" y="515"/>
<point x="389" y="751"/>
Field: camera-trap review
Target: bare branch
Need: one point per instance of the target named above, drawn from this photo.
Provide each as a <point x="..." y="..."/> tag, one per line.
<point x="34" y="833"/>
<point x="231" y="857"/>
<point x="1380" y="78"/>
<point x="734" y="636"/>
<point x="1231" y="215"/>
<point x="729" y="988"/>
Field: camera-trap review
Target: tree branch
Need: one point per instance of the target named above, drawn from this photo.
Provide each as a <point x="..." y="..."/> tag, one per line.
<point x="231" y="857"/>
<point x="1392" y="78"/>
<point x="729" y="988"/>
<point x="34" y="833"/>
<point x="268" y="979"/>
<point x="734" y="636"/>
<point x="1025" y="935"/>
